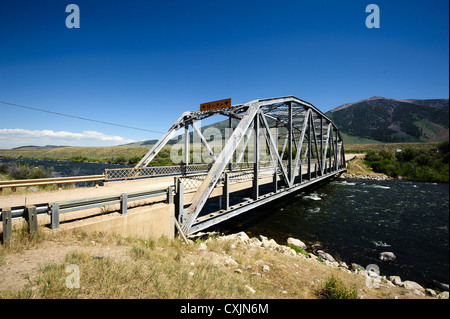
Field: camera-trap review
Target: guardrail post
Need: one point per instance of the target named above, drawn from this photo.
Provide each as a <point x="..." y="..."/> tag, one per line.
<point x="179" y="202"/>
<point x="54" y="207"/>
<point x="31" y="218"/>
<point x="170" y="195"/>
<point x="7" y="224"/>
<point x="123" y="203"/>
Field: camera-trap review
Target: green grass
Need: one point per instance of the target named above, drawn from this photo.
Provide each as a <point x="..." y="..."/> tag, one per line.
<point x="335" y="288"/>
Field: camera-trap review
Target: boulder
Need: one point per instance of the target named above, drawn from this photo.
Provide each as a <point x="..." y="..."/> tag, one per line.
<point x="396" y="280"/>
<point x="387" y="256"/>
<point x="443" y="295"/>
<point x="412" y="285"/>
<point x="242" y="236"/>
<point x="440" y="285"/>
<point x="325" y="256"/>
<point x="296" y="242"/>
<point x="430" y="292"/>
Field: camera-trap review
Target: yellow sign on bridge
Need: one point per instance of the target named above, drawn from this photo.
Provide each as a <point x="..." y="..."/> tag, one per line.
<point x="215" y="105"/>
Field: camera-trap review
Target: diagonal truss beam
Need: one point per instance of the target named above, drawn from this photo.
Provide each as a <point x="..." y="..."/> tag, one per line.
<point x="205" y="189"/>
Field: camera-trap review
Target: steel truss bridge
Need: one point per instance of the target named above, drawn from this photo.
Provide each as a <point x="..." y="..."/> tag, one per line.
<point x="289" y="143"/>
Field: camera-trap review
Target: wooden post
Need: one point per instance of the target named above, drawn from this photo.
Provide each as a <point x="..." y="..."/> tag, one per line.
<point x="7" y="225"/>
<point x="31" y="218"/>
<point x="55" y="215"/>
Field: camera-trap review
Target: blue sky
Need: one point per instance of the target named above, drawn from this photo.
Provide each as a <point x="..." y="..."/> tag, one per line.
<point x="143" y="63"/>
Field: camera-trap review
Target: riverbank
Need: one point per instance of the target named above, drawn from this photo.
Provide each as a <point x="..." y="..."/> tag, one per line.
<point x="357" y="169"/>
<point x="217" y="267"/>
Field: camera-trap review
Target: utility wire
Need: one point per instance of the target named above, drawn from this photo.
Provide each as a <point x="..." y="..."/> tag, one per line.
<point x="79" y="117"/>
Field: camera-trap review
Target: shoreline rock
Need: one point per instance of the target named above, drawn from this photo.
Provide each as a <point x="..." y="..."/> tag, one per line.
<point x="326" y="259"/>
<point x="374" y="177"/>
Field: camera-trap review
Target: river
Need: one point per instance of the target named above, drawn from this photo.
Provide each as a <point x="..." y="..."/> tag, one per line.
<point x="356" y="220"/>
<point x="353" y="220"/>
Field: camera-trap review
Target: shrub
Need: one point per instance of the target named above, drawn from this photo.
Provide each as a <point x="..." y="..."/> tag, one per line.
<point x="335" y="288"/>
<point x="22" y="170"/>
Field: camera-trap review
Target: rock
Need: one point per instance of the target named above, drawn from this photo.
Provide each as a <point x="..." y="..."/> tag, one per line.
<point x="237" y="270"/>
<point x="417" y="292"/>
<point x="430" y="292"/>
<point x="202" y="246"/>
<point x="387" y="256"/>
<point x="343" y="264"/>
<point x="312" y="256"/>
<point x="265" y="268"/>
<point x="296" y="242"/>
<point x="269" y="244"/>
<point x="230" y="262"/>
<point x="250" y="289"/>
<point x="440" y="285"/>
<point x="325" y="256"/>
<point x="98" y="256"/>
<point x="255" y="242"/>
<point x="356" y="267"/>
<point x="242" y="236"/>
<point x="443" y="295"/>
<point x="412" y="285"/>
<point x="396" y="280"/>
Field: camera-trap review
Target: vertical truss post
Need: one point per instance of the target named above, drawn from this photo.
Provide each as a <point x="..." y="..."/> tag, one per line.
<point x="226" y="192"/>
<point x="321" y="145"/>
<point x="186" y="145"/>
<point x="290" y="134"/>
<point x="255" y="192"/>
<point x="309" y="146"/>
<point x="230" y="126"/>
<point x="331" y="146"/>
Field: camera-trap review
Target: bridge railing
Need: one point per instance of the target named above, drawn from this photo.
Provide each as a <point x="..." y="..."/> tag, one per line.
<point x="31" y="212"/>
<point x="153" y="171"/>
<point x="13" y="184"/>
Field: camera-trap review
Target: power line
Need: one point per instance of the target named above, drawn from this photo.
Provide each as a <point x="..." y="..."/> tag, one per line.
<point x="80" y="117"/>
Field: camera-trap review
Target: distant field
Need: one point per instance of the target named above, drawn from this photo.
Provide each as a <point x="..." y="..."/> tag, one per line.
<point x="363" y="148"/>
<point x="101" y="154"/>
<point x="132" y="154"/>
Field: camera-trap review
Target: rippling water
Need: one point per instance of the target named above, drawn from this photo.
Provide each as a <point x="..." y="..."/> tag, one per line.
<point x="356" y="220"/>
<point x="67" y="168"/>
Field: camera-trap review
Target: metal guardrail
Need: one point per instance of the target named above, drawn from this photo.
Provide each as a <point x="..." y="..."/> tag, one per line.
<point x="31" y="212"/>
<point x="51" y="181"/>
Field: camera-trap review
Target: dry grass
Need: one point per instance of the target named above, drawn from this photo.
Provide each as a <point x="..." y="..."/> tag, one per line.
<point x="117" y="267"/>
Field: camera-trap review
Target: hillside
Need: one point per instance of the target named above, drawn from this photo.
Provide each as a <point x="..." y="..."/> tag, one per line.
<point x="389" y="120"/>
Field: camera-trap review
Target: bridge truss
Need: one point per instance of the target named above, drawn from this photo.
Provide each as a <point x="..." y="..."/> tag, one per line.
<point x="311" y="150"/>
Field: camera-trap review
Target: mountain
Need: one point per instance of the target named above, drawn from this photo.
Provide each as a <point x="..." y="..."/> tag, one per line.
<point x="388" y="120"/>
<point x="378" y="120"/>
